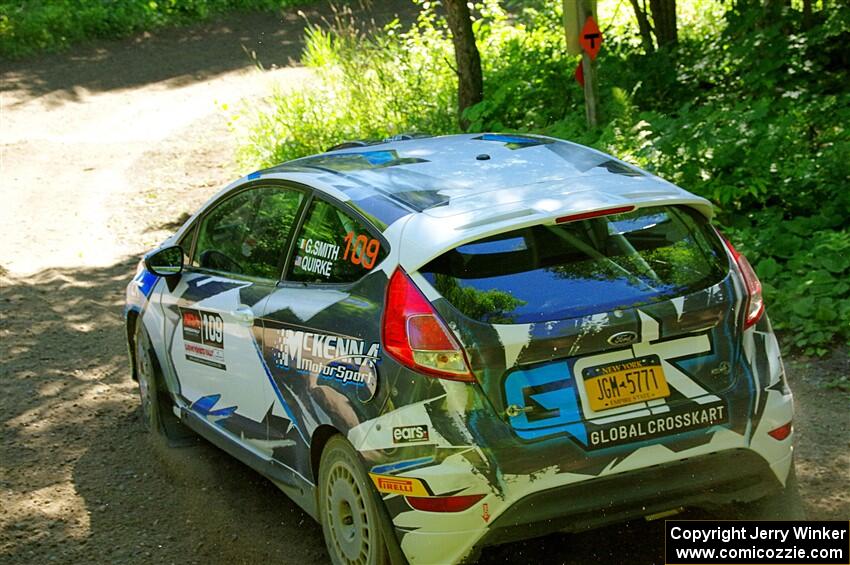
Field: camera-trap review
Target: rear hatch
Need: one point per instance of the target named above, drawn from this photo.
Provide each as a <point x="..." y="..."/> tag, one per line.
<point x="611" y="330"/>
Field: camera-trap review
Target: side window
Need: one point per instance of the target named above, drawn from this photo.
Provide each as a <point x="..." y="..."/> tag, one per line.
<point x="247" y="233"/>
<point x="333" y="247"/>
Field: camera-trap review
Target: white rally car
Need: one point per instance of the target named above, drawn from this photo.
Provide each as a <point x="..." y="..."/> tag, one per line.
<point x="436" y="344"/>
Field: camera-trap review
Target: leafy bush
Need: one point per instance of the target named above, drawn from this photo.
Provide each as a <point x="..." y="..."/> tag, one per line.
<point x="804" y="266"/>
<point x="764" y="137"/>
<point x="29" y="26"/>
<point x="364" y="87"/>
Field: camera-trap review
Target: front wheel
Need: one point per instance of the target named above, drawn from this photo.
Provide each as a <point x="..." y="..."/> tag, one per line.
<point x="352" y="522"/>
<point x="148" y="389"/>
<point x="157" y="417"/>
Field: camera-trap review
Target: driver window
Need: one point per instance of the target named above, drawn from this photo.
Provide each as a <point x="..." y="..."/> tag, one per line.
<point x="247" y="233"/>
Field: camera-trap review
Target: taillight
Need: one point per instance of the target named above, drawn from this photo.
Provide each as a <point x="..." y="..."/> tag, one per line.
<point x="755" y="302"/>
<point x="782" y="432"/>
<point x="416" y="337"/>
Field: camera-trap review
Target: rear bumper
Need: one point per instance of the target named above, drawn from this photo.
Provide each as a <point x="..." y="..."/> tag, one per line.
<point x="705" y="481"/>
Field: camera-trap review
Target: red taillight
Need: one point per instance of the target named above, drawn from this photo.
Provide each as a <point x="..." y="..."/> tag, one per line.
<point x="755" y="301"/>
<point x="416" y="337"/>
<point x="594" y="214"/>
<point x="781" y="432"/>
<point x="443" y="503"/>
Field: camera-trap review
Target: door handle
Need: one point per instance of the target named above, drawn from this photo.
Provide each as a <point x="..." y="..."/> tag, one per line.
<point x="243" y="315"/>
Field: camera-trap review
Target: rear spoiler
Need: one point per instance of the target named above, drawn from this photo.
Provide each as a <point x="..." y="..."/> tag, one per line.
<point x="434" y="235"/>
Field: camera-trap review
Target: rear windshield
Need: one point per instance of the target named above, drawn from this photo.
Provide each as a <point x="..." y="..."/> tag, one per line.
<point x="562" y="271"/>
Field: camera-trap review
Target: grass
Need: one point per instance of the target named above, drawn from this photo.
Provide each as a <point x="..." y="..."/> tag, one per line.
<point x="28" y="27"/>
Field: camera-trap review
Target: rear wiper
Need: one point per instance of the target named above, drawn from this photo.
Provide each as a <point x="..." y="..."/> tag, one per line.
<point x="594" y="254"/>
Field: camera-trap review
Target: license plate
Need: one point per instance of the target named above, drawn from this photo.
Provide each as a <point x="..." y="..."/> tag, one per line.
<point x="625" y="382"/>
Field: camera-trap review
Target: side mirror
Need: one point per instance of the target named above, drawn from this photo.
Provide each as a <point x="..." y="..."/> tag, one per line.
<point x="165" y="262"/>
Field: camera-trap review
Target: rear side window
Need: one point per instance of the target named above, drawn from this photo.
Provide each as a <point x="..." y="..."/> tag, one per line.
<point x="579" y="268"/>
<point x="334" y="247"/>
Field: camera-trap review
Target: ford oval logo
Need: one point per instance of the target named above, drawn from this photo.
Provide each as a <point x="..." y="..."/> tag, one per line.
<point x="623" y="338"/>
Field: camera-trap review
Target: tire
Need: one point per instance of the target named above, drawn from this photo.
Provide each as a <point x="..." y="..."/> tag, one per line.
<point x="784" y="505"/>
<point x="353" y="524"/>
<point x="156" y="407"/>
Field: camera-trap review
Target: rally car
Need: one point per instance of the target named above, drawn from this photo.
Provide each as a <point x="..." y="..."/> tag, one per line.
<point x="434" y="344"/>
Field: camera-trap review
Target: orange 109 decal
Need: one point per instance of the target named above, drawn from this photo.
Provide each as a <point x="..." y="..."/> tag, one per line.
<point x="361" y="250"/>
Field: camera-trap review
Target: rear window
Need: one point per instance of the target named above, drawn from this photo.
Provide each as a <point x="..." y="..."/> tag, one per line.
<point x="578" y="268"/>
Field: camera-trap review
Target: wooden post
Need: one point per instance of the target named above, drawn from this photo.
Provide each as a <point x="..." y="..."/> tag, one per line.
<point x="591" y="88"/>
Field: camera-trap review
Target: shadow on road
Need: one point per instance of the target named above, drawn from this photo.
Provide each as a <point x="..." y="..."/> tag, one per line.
<point x="79" y="478"/>
<point x="227" y="43"/>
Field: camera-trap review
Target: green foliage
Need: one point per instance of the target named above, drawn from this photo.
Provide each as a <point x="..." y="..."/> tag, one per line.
<point x="30" y="26"/>
<point x="364" y="87"/>
<point x="751" y="115"/>
<point x="804" y="266"/>
<point x="491" y="305"/>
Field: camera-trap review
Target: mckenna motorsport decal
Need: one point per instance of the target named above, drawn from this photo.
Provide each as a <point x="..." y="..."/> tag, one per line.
<point x="203" y="337"/>
<point x="344" y="360"/>
<point x="602" y="402"/>
<point x="406" y="486"/>
<point x="410" y="434"/>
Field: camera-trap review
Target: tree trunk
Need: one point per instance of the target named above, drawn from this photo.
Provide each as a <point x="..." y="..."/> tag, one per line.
<point x="644" y="26"/>
<point x="807" y="14"/>
<point x="470" y="82"/>
<point x="664" y="16"/>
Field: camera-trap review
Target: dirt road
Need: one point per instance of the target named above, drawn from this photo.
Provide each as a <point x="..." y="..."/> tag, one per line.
<point x="102" y="150"/>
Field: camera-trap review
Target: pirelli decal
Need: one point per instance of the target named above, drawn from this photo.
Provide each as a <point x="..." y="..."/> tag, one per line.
<point x="405" y="486"/>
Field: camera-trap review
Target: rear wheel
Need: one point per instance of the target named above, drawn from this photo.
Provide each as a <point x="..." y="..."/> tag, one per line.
<point x="352" y="521"/>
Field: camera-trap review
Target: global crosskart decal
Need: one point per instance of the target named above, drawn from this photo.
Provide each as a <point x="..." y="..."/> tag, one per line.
<point x="203" y="337"/>
<point x="549" y="400"/>
<point x="678" y="421"/>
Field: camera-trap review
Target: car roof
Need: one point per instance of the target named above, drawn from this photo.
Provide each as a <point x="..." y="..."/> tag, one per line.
<point x="448" y="190"/>
<point x="449" y="175"/>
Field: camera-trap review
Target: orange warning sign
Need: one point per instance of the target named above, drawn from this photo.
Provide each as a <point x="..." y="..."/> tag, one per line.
<point x="590" y="37"/>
